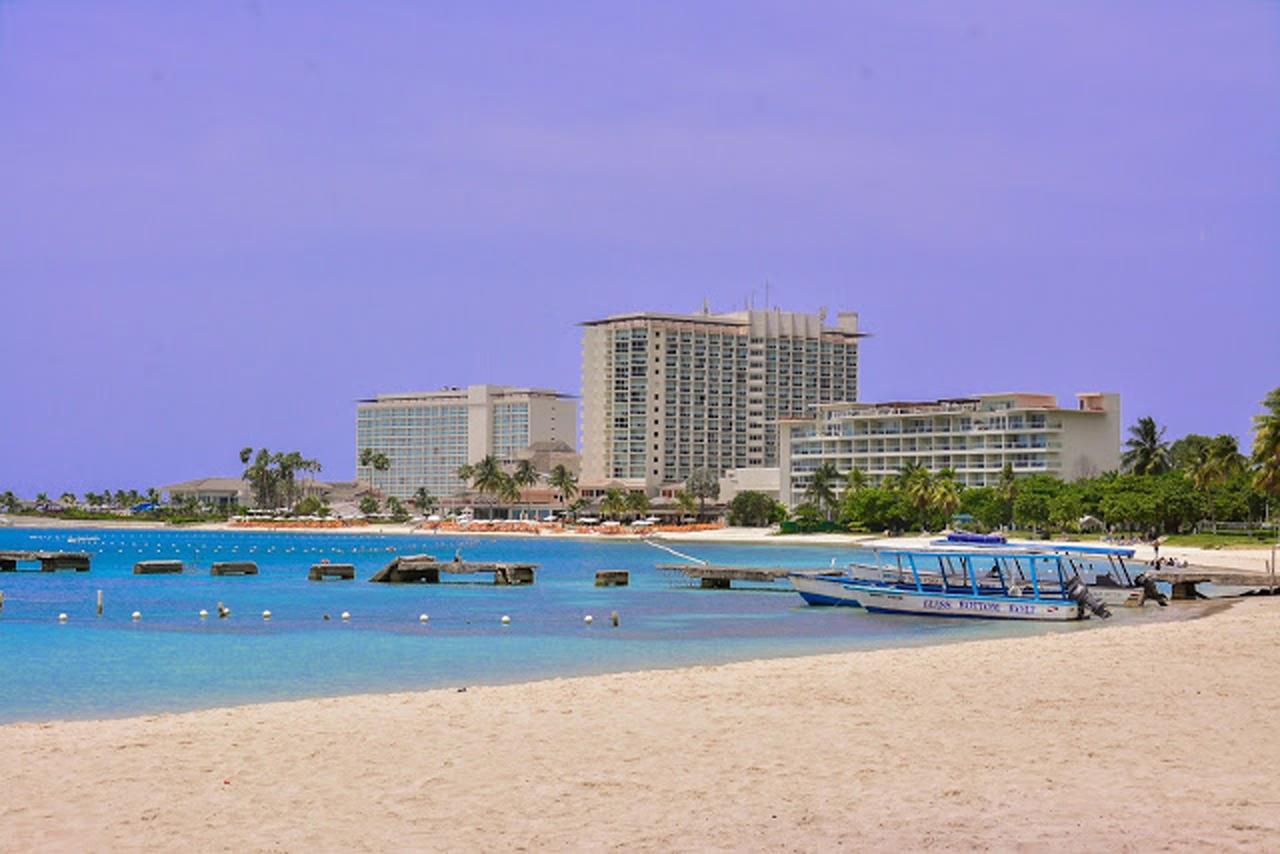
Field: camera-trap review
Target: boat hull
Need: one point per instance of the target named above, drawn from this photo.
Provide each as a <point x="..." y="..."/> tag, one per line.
<point x="897" y="601"/>
<point x="818" y="590"/>
<point x="1119" y="597"/>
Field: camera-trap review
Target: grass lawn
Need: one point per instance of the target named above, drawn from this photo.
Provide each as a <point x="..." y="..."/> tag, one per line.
<point x="1220" y="541"/>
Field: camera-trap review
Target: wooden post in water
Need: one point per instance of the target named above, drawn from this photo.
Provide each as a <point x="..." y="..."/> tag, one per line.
<point x="99" y="603"/>
<point x="1" y="600"/>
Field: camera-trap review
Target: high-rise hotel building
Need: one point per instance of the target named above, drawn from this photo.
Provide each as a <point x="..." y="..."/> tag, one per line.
<point x="427" y="436"/>
<point x="664" y="395"/>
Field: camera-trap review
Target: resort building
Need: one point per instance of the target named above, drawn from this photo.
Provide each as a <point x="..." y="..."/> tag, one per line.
<point x="976" y="437"/>
<point x="427" y="436"/>
<point x="664" y="395"/>
<point x="220" y="492"/>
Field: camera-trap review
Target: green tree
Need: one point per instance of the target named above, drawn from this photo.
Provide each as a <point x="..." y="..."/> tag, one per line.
<point x="1007" y="491"/>
<point x="563" y="482"/>
<point x="525" y="474"/>
<point x="488" y="478"/>
<point x="1266" y="446"/>
<point x="396" y="508"/>
<point x="1146" y="451"/>
<point x="946" y="495"/>
<point x="508" y="489"/>
<point x="876" y="508"/>
<point x="856" y="479"/>
<point x="917" y="485"/>
<point x="309" y="506"/>
<point x="424" y="500"/>
<point x="687" y="504"/>
<point x="821" y="491"/>
<point x="1031" y="508"/>
<point x="1184" y="453"/>
<point x="984" y="504"/>
<point x="637" y="504"/>
<point x="750" y="509"/>
<point x="67" y="499"/>
<point x="614" y="503"/>
<point x="42" y="500"/>
<point x="369" y="506"/>
<point x="703" y="484"/>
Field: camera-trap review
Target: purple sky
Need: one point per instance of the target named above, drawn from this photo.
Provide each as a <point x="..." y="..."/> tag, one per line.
<point x="220" y="224"/>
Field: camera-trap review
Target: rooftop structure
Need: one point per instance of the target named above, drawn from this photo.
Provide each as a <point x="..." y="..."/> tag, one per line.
<point x="975" y="437"/>
<point x="664" y="395"/>
<point x="427" y="436"/>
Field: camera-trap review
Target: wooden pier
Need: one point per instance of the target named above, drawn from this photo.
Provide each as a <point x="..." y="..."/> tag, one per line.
<point x="49" y="561"/>
<point x="158" y="567"/>
<point x="234" y="567"/>
<point x="1184" y="579"/>
<point x="339" y="571"/>
<point x="425" y="569"/>
<point x="613" y="578"/>
<point x="722" y="577"/>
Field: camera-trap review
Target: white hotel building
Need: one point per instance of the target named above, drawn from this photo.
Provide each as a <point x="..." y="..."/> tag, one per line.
<point x="427" y="436"/>
<point x="664" y="395"/>
<point x="976" y="437"/>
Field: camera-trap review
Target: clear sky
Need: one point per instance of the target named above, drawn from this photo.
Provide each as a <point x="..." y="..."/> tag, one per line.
<point x="222" y="223"/>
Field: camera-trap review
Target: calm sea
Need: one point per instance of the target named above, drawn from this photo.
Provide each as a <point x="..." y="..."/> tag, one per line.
<point x="171" y="660"/>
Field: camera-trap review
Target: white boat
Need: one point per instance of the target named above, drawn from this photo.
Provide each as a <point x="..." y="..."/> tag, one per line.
<point x="956" y="583"/>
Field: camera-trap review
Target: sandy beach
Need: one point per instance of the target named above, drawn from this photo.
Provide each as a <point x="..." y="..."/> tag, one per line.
<point x="1131" y="738"/>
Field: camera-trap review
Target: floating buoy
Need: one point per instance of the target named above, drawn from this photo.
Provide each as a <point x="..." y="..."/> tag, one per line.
<point x="506" y="621"/>
<point x="62" y="618"/>
<point x="613" y="618"/>
<point x="223" y="611"/>
<point x="588" y="619"/>
<point x="422" y="618"/>
<point x="137" y="615"/>
<point x="326" y="618"/>
<point x="346" y="615"/>
<point x="266" y="615"/>
<point x="203" y="613"/>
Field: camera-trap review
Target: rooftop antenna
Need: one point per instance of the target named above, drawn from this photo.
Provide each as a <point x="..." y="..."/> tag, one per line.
<point x="766" y="293"/>
<point x="706" y="306"/>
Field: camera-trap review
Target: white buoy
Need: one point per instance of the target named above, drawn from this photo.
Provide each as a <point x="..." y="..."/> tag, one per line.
<point x="346" y="615"/>
<point x="137" y="615"/>
<point x="506" y="621"/>
<point x="62" y="618"/>
<point x="266" y="615"/>
<point x="588" y="619"/>
<point x="422" y="618"/>
<point x="203" y="613"/>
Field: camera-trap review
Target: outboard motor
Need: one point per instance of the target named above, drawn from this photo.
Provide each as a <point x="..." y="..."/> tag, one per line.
<point x="1150" y="591"/>
<point x="1079" y="591"/>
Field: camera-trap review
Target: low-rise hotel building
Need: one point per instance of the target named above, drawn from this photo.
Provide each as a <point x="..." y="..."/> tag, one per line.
<point x="427" y="436"/>
<point x="976" y="437"/>
<point x="664" y="395"/>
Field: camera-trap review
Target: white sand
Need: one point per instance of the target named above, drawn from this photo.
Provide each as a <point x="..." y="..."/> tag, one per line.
<point x="1163" y="735"/>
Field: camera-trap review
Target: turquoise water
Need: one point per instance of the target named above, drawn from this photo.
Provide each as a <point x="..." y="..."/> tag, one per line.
<point x="171" y="660"/>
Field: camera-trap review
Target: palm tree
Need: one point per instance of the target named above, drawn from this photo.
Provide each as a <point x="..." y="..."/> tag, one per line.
<point x="855" y="480"/>
<point x="614" y="503"/>
<point x="637" y="504"/>
<point x="1148" y="452"/>
<point x="424" y="500"/>
<point x="686" y="502"/>
<point x="508" y="489"/>
<point x="563" y="482"/>
<point x="465" y="471"/>
<point x="821" y="490"/>
<point x="1266" y="445"/>
<point x="488" y="477"/>
<point x="1217" y="462"/>
<point x="246" y="454"/>
<point x="42" y="500"/>
<point x="67" y="499"/>
<point x="153" y="495"/>
<point x="9" y="501"/>
<point x="525" y="474"/>
<point x="946" y="493"/>
<point x="917" y="483"/>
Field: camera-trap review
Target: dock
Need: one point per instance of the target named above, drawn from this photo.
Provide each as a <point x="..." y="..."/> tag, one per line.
<point x="49" y="561"/>
<point x="1184" y="579"/>
<point x="713" y="577"/>
<point x="158" y="567"/>
<point x="337" y="571"/>
<point x="613" y="578"/>
<point x="235" y="567"/>
<point x="425" y="569"/>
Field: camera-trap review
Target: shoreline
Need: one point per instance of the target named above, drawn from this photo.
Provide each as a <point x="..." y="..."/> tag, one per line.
<point x="1243" y="558"/>
<point x="908" y="746"/>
